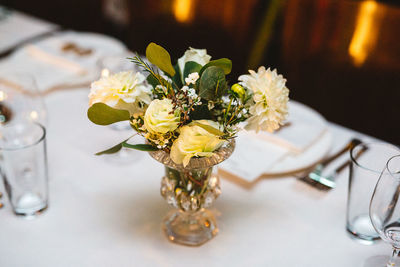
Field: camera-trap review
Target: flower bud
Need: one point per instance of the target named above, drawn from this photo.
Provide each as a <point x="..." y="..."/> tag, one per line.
<point x="238" y="89"/>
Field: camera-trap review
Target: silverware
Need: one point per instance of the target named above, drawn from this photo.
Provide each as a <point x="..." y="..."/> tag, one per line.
<point x="318" y="180"/>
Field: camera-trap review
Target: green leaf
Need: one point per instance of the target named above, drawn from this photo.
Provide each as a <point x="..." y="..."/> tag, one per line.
<point x="208" y="128"/>
<point x="212" y="83"/>
<point x="112" y="150"/>
<point x="141" y="147"/>
<point x="101" y="114"/>
<point x="201" y="113"/>
<point x="152" y="81"/>
<point x="160" y="57"/>
<point x="223" y="63"/>
<point x="190" y="67"/>
<point x="177" y="77"/>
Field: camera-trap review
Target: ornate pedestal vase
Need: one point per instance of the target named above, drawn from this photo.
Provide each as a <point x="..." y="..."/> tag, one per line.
<point x="191" y="190"/>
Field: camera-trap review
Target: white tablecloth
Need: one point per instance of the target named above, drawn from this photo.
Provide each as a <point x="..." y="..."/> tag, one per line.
<point x="105" y="214"/>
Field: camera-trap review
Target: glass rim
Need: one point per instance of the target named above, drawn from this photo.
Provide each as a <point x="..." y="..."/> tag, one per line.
<point x="218" y="156"/>
<point x="387" y="166"/>
<point x="42" y="137"/>
<point x="355" y="160"/>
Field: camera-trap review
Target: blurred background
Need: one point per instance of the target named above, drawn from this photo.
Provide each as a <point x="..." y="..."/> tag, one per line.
<point x="341" y="58"/>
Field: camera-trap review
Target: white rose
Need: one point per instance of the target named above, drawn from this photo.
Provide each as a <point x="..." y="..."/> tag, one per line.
<point x="160" y="117"/>
<point x="199" y="56"/>
<point x="122" y="90"/>
<point x="195" y="141"/>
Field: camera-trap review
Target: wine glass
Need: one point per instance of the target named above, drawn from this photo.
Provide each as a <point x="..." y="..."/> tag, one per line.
<point x="384" y="209"/>
<point x="20" y="99"/>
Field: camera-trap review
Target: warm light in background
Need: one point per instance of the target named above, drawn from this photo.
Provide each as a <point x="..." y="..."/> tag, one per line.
<point x="183" y="10"/>
<point x="365" y="33"/>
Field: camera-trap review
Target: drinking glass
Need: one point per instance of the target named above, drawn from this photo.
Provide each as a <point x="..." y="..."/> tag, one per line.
<point x="367" y="162"/>
<point x="384" y="209"/>
<point x="20" y="99"/>
<point x="23" y="166"/>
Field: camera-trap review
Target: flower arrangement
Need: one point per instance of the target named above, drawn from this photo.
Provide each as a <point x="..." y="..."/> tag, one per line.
<point x="187" y="109"/>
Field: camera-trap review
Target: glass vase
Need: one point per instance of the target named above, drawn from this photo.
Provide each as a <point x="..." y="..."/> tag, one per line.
<point x="191" y="190"/>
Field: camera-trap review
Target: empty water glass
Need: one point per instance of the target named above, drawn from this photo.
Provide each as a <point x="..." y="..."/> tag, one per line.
<point x="23" y="166"/>
<point x="365" y="169"/>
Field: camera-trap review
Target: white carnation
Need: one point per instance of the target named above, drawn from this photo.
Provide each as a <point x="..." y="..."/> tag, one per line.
<point x="127" y="86"/>
<point x="270" y="96"/>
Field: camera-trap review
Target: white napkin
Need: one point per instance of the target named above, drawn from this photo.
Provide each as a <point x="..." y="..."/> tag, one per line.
<point x="252" y="156"/>
<point x="51" y="66"/>
<point x="258" y="154"/>
<point x="304" y="128"/>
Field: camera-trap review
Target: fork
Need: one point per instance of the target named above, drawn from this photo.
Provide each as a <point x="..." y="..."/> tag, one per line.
<point x="315" y="177"/>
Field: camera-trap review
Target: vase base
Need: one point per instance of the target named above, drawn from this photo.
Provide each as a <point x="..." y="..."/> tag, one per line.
<point x="190" y="228"/>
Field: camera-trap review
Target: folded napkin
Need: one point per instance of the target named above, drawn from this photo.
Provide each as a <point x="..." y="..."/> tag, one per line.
<point x="282" y="151"/>
<point x="303" y="128"/>
<point x="53" y="66"/>
<point x="252" y="157"/>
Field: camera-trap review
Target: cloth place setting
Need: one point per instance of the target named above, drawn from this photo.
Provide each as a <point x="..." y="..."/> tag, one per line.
<point x="303" y="142"/>
<point x="65" y="59"/>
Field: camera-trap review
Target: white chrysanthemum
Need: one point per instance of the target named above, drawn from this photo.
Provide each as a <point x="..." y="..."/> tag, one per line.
<point x="270" y="96"/>
<point x="127" y="86"/>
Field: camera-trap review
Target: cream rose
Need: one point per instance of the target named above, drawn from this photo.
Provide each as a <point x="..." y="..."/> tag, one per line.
<point x="195" y="141"/>
<point x="160" y="117"/>
<point x="199" y="56"/>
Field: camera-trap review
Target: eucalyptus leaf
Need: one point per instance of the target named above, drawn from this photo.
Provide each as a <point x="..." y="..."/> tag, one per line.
<point x="160" y="57"/>
<point x="223" y="63"/>
<point x="141" y="147"/>
<point x="208" y="128"/>
<point x="212" y="83"/>
<point x="190" y="67"/>
<point x="101" y="114"/>
<point x="111" y="150"/>
<point x="177" y="79"/>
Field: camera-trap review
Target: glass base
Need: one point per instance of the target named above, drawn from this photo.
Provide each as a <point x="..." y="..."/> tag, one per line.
<point x="380" y="261"/>
<point x="363" y="239"/>
<point x="190" y="228"/>
<point x="30" y="214"/>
